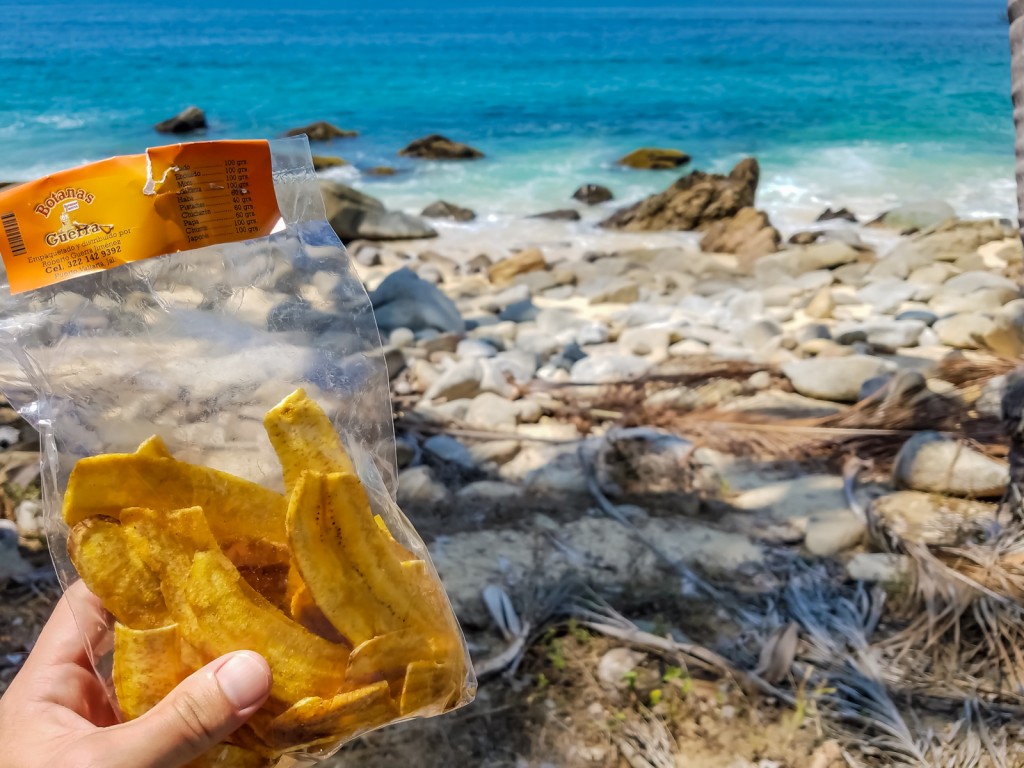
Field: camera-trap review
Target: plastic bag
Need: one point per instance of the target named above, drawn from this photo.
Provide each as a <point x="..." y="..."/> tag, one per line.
<point x="172" y="363"/>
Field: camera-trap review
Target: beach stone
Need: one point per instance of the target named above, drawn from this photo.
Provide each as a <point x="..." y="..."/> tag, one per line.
<point x="918" y="315"/>
<point x="321" y="130"/>
<point x="654" y="159"/>
<point x="528" y="260"/>
<point x="489" y="490"/>
<point x="593" y="194"/>
<point x="946" y="243"/>
<point x="461" y="380"/>
<point x="28" y="516"/>
<point x="445" y="210"/>
<point x="381" y="170"/>
<point x="805" y="238"/>
<point x="828" y="535"/>
<point x="562" y="475"/>
<point x="969" y="282"/>
<point x="608" y="368"/>
<point x="964" y="331"/>
<point x="835" y="379"/>
<point x="616" y="664"/>
<point x="537" y="282"/>
<point x="932" y="274"/>
<point x="511" y="295"/>
<point x="518" y="364"/>
<point x="645" y="341"/>
<point x="520" y="312"/>
<point x="949" y="302"/>
<point x="12" y="564"/>
<point x="840" y="214"/>
<point x="538" y="343"/>
<point x="609" y="290"/>
<point x="930" y="461"/>
<point x="475" y="348"/>
<point x="492" y="411"/>
<point x="1006" y="337"/>
<point x="417" y="486"/>
<point x="759" y="334"/>
<point x="394" y="361"/>
<point x="404" y="300"/>
<point x="354" y="215"/>
<point x="449" y="450"/>
<point x="912" y="217"/>
<point x="687" y="348"/>
<point x="820" y="307"/>
<point x="561" y="214"/>
<point x="493" y="379"/>
<point x="693" y="201"/>
<point x="188" y="120"/>
<point x="323" y="162"/>
<point x="438" y="147"/>
<point x="878" y="567"/>
<point x="893" y="334"/>
<point x="494" y="451"/>
<point x="781" y="405"/>
<point x="932" y="519"/>
<point x="885" y="296"/>
<point x="591" y="333"/>
<point x="749" y="233"/>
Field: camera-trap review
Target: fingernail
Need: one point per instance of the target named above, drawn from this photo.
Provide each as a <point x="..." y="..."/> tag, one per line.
<point x="244" y="679"/>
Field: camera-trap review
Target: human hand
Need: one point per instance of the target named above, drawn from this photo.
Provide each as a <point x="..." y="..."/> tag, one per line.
<point x="56" y="714"/>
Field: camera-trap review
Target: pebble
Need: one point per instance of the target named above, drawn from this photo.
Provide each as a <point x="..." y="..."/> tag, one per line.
<point x="494" y="451"/>
<point x="836" y="379"/>
<point x="489" y="490"/>
<point x="462" y="380"/>
<point x="28" y="516"/>
<point x="615" y="665"/>
<point x="828" y="535"/>
<point x="492" y="411"/>
<point x="933" y="462"/>
<point x="964" y="331"/>
<point x="450" y="450"/>
<point x="652" y="342"/>
<point x="878" y="567"/>
<point x="608" y="368"/>
<point x="820" y="307"/>
<point x="418" y="486"/>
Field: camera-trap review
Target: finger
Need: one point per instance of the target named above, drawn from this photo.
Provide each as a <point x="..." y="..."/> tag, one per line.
<point x="77" y="622"/>
<point x="202" y="711"/>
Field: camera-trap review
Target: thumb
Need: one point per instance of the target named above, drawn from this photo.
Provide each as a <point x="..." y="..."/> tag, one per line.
<point x="201" y="711"/>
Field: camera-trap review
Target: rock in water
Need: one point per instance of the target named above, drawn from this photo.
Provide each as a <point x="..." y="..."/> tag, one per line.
<point x="693" y="202"/>
<point x="438" y="147"/>
<point x="748" y="233"/>
<point x="932" y="462"/>
<point x="654" y="159"/>
<point x="916" y="216"/>
<point x="562" y="214"/>
<point x="404" y="300"/>
<point x="188" y="120"/>
<point x="323" y="162"/>
<point x="833" y="378"/>
<point x="842" y="214"/>
<point x="321" y="130"/>
<point x="593" y="194"/>
<point x="445" y="210"/>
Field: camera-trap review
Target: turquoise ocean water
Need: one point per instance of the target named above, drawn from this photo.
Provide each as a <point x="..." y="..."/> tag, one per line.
<point x="861" y="104"/>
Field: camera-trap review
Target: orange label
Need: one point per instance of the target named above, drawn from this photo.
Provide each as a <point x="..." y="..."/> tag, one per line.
<point x="125" y="209"/>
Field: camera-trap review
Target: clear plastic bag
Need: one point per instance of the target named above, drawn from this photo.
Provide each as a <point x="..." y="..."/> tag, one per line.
<point x="196" y="347"/>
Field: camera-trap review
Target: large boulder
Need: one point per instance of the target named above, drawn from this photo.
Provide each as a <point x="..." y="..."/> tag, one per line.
<point x="693" y="202"/>
<point x="654" y="159"/>
<point x="438" y="147"/>
<point x="748" y="233"/>
<point x="404" y="300"/>
<point x="321" y="130"/>
<point x="188" y="120"/>
<point x="357" y="216"/>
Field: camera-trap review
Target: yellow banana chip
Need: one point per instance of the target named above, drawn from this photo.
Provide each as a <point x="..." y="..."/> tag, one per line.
<point x="304" y="439"/>
<point x="116" y="574"/>
<point x="427" y="688"/>
<point x="155" y="448"/>
<point x="236" y="508"/>
<point x="217" y="612"/>
<point x="230" y="756"/>
<point x="386" y="657"/>
<point x="147" y="666"/>
<point x="314" y="719"/>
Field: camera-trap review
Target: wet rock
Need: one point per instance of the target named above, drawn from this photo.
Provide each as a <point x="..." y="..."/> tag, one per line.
<point x="323" y="162"/>
<point x="417" y="486"/>
<point x="354" y="215"/>
<point x="321" y="130"/>
<point x="964" y="331"/>
<point x="445" y="210"/>
<point x="561" y="214"/>
<point x="835" y="379"/>
<point x="654" y="159"/>
<point x="449" y="450"/>
<point x="404" y="300"/>
<point x="608" y="368"/>
<point x="748" y="233"/>
<point x="528" y="260"/>
<point x="930" y="461"/>
<point x="912" y="217"/>
<point x="438" y="147"/>
<point x="188" y="120"/>
<point x="694" y="201"/>
<point x="593" y="194"/>
<point x="840" y="214"/>
<point x="928" y="518"/>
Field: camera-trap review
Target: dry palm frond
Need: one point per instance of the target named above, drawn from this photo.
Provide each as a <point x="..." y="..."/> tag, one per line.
<point x="963" y="371"/>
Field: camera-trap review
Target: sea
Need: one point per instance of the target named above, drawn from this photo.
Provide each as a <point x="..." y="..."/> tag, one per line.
<point x="862" y="104"/>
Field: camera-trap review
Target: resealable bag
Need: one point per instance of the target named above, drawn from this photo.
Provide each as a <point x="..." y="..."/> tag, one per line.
<point x="186" y="332"/>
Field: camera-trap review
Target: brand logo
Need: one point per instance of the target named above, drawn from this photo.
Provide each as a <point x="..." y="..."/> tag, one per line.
<point x="68" y="194"/>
